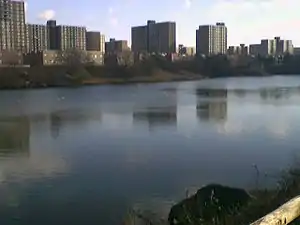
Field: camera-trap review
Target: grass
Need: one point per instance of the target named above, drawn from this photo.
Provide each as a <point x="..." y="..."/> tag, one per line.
<point x="159" y="76"/>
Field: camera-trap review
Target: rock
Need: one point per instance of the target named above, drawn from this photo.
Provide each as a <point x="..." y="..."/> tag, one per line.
<point x="210" y="203"/>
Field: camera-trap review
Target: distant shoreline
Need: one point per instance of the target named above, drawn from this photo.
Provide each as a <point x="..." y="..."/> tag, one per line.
<point x="144" y="79"/>
<point x="157" y="77"/>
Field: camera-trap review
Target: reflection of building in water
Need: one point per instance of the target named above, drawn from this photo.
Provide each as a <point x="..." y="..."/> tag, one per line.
<point x="14" y="136"/>
<point x="212" y="110"/>
<point x="277" y="93"/>
<point x="157" y="116"/>
<point x="71" y="117"/>
<point x="55" y="125"/>
<point x="211" y="93"/>
<point x="214" y="107"/>
<point x="240" y="93"/>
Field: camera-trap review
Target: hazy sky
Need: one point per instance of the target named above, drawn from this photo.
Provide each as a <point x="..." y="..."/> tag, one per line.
<point x="248" y="21"/>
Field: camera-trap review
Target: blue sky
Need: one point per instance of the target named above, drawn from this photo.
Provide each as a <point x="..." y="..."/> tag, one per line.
<point x="248" y="21"/>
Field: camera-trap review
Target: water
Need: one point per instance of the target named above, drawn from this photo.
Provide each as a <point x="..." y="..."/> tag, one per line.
<point x="86" y="155"/>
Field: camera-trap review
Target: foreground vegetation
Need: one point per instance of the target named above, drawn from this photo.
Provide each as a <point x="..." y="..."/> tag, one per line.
<point x="262" y="202"/>
<point x="152" y="69"/>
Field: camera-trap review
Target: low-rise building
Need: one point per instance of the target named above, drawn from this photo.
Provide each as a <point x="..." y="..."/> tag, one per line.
<point x="116" y="46"/>
<point x="46" y="57"/>
<point x="95" y="57"/>
<point x="242" y="49"/>
<point x="55" y="57"/>
<point x="11" y="58"/>
<point x="121" y="58"/>
<point x="255" y="49"/>
<point x="296" y="50"/>
<point x="186" y="51"/>
<point x="233" y="50"/>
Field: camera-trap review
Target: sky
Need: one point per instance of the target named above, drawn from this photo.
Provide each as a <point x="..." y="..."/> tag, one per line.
<point x="247" y="21"/>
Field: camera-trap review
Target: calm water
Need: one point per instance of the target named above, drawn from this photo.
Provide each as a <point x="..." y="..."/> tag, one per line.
<point x="86" y="155"/>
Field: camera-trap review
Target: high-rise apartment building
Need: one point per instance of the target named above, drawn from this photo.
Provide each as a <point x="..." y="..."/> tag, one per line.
<point x="12" y="26"/>
<point x="211" y="39"/>
<point x="95" y="41"/>
<point x="272" y="47"/>
<point x="116" y="46"/>
<point x="71" y="37"/>
<point x="52" y="36"/>
<point x="139" y="39"/>
<point x="37" y="37"/>
<point x="284" y="46"/>
<point x="64" y="37"/>
<point x="102" y="43"/>
<point x="268" y="47"/>
<point x="154" y="37"/>
<point x="288" y="47"/>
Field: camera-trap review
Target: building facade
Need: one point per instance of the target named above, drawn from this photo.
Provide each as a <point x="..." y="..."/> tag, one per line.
<point x="116" y="46"/>
<point x="272" y="47"/>
<point x="95" y="41"/>
<point x="233" y="50"/>
<point x="71" y="37"/>
<point x="64" y="37"/>
<point x="211" y="39"/>
<point x="186" y="51"/>
<point x="255" y="49"/>
<point x="102" y="43"/>
<point x="154" y="37"/>
<point x="285" y="47"/>
<point x="242" y="49"/>
<point x="12" y="26"/>
<point x="37" y="37"/>
<point x="55" y="57"/>
<point x="268" y="47"/>
<point x="139" y="40"/>
<point x="296" y="51"/>
<point x="52" y="35"/>
<point x="11" y="58"/>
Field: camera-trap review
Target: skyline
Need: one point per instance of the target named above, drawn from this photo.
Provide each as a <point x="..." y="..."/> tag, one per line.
<point x="115" y="18"/>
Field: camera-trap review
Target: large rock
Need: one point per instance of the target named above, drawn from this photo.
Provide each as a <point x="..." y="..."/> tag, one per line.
<point x="210" y="204"/>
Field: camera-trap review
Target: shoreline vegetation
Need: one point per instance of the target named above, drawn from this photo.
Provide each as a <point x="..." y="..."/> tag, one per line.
<point x="153" y="69"/>
<point x="199" y="209"/>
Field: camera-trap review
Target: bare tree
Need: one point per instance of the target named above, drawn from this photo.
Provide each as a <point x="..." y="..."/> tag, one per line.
<point x="72" y="57"/>
<point x="126" y="58"/>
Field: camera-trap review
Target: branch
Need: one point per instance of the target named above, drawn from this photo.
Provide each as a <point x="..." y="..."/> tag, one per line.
<point x="283" y="215"/>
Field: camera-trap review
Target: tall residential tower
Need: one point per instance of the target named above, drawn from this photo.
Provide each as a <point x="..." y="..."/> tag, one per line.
<point x="154" y="37"/>
<point x="95" y="41"/>
<point x="12" y="26"/>
<point x="211" y="39"/>
<point x="64" y="37"/>
<point x="37" y="37"/>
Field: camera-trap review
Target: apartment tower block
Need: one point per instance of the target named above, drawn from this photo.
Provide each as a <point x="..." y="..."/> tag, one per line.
<point x="37" y="37"/>
<point x="211" y="39"/>
<point x="12" y="26"/>
<point x="154" y="37"/>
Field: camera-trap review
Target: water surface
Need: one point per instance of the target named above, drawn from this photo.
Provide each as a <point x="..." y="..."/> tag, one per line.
<point x="86" y="155"/>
